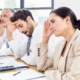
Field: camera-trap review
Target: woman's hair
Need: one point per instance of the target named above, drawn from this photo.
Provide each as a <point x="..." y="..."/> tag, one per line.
<point x="63" y="12"/>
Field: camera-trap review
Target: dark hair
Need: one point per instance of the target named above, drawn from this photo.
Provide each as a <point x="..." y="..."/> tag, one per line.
<point x="64" y="12"/>
<point x="21" y="14"/>
<point x="10" y="9"/>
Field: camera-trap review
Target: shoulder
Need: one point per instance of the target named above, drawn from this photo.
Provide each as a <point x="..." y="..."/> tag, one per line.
<point x="76" y="46"/>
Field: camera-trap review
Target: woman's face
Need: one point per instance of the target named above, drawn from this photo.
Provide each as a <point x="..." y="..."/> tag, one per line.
<point x="58" y="24"/>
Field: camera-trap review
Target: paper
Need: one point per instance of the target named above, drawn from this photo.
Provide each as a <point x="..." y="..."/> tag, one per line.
<point x="24" y="75"/>
<point x="10" y="61"/>
<point x="5" y="59"/>
<point x="42" y="78"/>
<point x="13" y="63"/>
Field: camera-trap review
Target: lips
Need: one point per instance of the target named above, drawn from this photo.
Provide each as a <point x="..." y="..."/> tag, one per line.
<point x="24" y="32"/>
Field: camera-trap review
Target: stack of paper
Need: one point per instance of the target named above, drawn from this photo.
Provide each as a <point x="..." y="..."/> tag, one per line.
<point x="10" y="64"/>
<point x="5" y="59"/>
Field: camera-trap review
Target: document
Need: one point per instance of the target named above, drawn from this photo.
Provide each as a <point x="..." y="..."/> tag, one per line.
<point x="41" y="79"/>
<point x="10" y="63"/>
<point x="28" y="74"/>
<point x="5" y="59"/>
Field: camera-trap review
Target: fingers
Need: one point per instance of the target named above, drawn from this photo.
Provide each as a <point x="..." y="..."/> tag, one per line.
<point x="49" y="69"/>
<point x="46" y="23"/>
<point x="11" y="27"/>
<point x="14" y="23"/>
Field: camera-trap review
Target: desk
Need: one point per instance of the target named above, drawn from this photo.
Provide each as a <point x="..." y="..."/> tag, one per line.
<point x="32" y="67"/>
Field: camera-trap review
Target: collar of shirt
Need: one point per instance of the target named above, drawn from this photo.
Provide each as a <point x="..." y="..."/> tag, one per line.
<point x="36" y="29"/>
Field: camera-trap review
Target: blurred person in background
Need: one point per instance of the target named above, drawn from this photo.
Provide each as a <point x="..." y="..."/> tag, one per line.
<point x="12" y="42"/>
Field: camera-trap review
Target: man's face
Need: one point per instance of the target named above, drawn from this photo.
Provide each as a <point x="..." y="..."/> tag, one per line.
<point x="25" y="27"/>
<point x="5" y="17"/>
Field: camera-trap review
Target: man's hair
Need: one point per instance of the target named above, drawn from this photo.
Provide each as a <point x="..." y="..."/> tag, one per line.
<point x="21" y="14"/>
<point x="10" y="9"/>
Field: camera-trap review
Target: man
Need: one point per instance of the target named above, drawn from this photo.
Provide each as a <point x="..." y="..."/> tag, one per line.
<point x="27" y="25"/>
<point x="13" y="40"/>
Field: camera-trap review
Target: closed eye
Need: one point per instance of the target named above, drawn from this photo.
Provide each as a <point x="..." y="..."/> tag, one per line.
<point x="20" y="25"/>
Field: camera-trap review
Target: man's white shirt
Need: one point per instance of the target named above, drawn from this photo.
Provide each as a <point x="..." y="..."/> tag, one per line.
<point x="37" y="38"/>
<point x="17" y="46"/>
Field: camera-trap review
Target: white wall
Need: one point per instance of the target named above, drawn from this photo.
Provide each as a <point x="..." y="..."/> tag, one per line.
<point x="73" y="4"/>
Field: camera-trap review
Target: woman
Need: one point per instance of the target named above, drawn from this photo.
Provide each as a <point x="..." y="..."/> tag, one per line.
<point x="64" y="63"/>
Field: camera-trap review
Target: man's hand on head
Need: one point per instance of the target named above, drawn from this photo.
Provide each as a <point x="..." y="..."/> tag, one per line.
<point x="10" y="29"/>
<point x="1" y="30"/>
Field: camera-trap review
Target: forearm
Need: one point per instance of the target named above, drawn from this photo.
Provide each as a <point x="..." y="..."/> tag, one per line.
<point x="45" y="40"/>
<point x="43" y="62"/>
<point x="16" y="48"/>
<point x="18" y="45"/>
<point x="9" y="36"/>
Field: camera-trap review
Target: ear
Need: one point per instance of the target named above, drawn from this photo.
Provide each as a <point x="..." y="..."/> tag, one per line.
<point x="67" y="20"/>
<point x="28" y="18"/>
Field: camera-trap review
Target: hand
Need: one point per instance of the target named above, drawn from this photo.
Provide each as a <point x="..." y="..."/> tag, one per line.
<point x="49" y="69"/>
<point x="10" y="28"/>
<point x="1" y="30"/>
<point x="47" y="32"/>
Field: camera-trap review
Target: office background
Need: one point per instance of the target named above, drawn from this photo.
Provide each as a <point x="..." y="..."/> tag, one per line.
<point x="41" y="8"/>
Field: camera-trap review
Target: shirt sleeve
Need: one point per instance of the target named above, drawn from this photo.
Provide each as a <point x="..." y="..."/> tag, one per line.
<point x="18" y="44"/>
<point x="6" y="51"/>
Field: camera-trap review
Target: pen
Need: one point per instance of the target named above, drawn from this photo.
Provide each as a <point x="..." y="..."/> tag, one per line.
<point x="16" y="73"/>
<point x="35" y="78"/>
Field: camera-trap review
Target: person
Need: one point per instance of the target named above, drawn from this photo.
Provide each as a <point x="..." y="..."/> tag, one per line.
<point x="28" y="26"/>
<point x="64" y="63"/>
<point x="1" y="33"/>
<point x="12" y="42"/>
